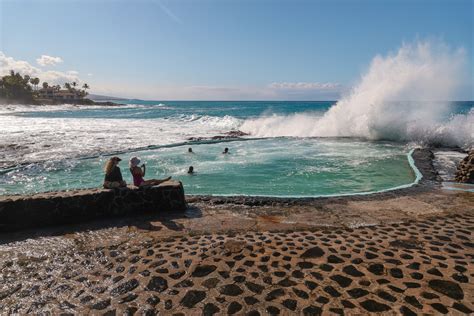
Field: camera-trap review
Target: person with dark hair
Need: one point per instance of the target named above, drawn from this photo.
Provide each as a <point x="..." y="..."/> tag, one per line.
<point x="226" y="150"/>
<point x="113" y="176"/>
<point x="190" y="150"/>
<point x="191" y="170"/>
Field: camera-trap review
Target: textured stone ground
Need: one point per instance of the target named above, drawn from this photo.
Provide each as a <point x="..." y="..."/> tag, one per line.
<point x="414" y="267"/>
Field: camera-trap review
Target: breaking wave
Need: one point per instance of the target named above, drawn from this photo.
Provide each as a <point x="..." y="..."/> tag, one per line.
<point x="377" y="108"/>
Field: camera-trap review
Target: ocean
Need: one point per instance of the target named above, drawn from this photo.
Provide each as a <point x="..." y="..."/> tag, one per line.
<point x="292" y="148"/>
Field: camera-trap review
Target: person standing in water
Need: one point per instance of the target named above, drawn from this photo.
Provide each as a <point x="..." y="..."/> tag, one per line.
<point x="190" y="150"/>
<point x="113" y="176"/>
<point x="139" y="172"/>
<point x="191" y="170"/>
<point x="226" y="150"/>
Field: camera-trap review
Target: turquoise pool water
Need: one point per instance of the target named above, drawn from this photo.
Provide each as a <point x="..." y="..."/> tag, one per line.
<point x="268" y="167"/>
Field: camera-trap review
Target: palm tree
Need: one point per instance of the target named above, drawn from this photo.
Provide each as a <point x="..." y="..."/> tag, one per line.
<point x="85" y="86"/>
<point x="74" y="84"/>
<point x="67" y="85"/>
<point x="45" y="85"/>
<point x="35" y="82"/>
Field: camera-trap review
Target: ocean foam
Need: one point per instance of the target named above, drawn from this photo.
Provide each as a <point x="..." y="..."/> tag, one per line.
<point x="423" y="73"/>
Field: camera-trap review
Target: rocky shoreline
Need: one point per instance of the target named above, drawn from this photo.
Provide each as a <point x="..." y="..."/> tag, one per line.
<point x="402" y="252"/>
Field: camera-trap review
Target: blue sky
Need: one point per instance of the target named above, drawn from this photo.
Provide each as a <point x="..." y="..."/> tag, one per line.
<point x="223" y="49"/>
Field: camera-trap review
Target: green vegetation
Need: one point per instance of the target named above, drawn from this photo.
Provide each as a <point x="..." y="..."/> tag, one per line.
<point x="15" y="88"/>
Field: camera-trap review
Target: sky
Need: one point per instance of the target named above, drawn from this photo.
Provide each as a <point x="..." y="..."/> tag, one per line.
<point x="222" y="49"/>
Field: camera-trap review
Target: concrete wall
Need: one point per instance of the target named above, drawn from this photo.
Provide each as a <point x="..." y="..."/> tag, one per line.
<point x="65" y="207"/>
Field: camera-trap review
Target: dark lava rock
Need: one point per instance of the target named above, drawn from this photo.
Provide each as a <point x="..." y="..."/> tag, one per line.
<point x="440" y="308"/>
<point x="192" y="298"/>
<point x="386" y="296"/>
<point x="314" y="252"/>
<point x="125" y="287"/>
<point x="301" y="294"/>
<point x="332" y="291"/>
<point x="405" y="311"/>
<point x="250" y="300"/>
<point x="376" y="268"/>
<point x="396" y="273"/>
<point x="231" y="290"/>
<point x="462" y="308"/>
<point x="461" y="278"/>
<point x="334" y="259"/>
<point x="465" y="170"/>
<point x="305" y="265"/>
<point x="211" y="283"/>
<point x="312" y="311"/>
<point x="153" y="300"/>
<point x="157" y="284"/>
<point x="274" y="294"/>
<point x="435" y="271"/>
<point x="448" y="288"/>
<point x="272" y="310"/>
<point x="357" y="292"/>
<point x="233" y="308"/>
<point x="322" y="300"/>
<point x="347" y="304"/>
<point x="185" y="283"/>
<point x="351" y="270"/>
<point x="101" y="305"/>
<point x="286" y="282"/>
<point x="202" y="271"/>
<point x="290" y="304"/>
<point x="374" y="306"/>
<point x="341" y="280"/>
<point x="413" y="301"/>
<point x="130" y="297"/>
<point x="210" y="309"/>
<point x="310" y="285"/>
<point x="256" y="288"/>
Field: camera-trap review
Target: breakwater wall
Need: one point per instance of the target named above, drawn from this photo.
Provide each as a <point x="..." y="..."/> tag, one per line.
<point x="67" y="207"/>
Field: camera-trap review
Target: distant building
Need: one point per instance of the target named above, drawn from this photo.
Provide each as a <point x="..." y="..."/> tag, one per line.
<point x="55" y="94"/>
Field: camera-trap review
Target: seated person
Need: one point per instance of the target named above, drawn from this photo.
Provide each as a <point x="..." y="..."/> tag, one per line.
<point x="139" y="172"/>
<point x="113" y="175"/>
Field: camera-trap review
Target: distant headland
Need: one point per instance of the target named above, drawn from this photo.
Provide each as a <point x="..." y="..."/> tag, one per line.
<point x="18" y="89"/>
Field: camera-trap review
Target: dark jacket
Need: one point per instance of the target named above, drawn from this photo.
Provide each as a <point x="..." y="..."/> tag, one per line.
<point x="114" y="176"/>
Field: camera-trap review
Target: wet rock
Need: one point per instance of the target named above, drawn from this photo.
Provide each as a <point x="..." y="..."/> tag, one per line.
<point x="351" y="270"/>
<point x="256" y="288"/>
<point x="376" y="268"/>
<point x="312" y="311"/>
<point x="125" y="287"/>
<point x="210" y="309"/>
<point x="153" y="300"/>
<point x="233" y="308"/>
<point x="357" y="292"/>
<point x="314" y="252"/>
<point x="465" y="170"/>
<point x="440" y="308"/>
<point x="192" y="298"/>
<point x="448" y="288"/>
<point x="250" y="300"/>
<point x="286" y="282"/>
<point x="231" y="290"/>
<point x="374" y="306"/>
<point x="101" y="305"/>
<point x="341" y="280"/>
<point x="202" y="271"/>
<point x="211" y="283"/>
<point x="290" y="304"/>
<point x="157" y="284"/>
<point x="272" y="310"/>
<point x="334" y="259"/>
<point x="274" y="294"/>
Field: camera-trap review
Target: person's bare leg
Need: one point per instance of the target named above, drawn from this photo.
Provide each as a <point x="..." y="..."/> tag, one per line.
<point x="154" y="181"/>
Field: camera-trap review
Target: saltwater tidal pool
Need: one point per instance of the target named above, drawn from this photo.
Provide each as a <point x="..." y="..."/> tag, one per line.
<point x="286" y="167"/>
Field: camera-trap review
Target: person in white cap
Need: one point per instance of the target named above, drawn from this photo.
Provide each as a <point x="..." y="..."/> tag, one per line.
<point x="139" y="172"/>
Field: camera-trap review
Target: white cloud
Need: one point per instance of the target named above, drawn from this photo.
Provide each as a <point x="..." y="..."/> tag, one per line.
<point x="24" y="68"/>
<point x="46" y="60"/>
<point x="323" y="86"/>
